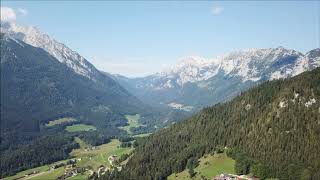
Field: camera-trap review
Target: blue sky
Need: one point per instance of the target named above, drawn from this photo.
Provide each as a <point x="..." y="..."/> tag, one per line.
<point x="139" y="38"/>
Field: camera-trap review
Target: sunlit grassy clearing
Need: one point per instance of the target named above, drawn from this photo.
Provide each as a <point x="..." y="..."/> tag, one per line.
<point x="133" y="121"/>
<point x="60" y="121"/>
<point x="22" y="173"/>
<point x="209" y="166"/>
<point x="81" y="143"/>
<point x="80" y="127"/>
<point x="50" y="175"/>
<point x="99" y="155"/>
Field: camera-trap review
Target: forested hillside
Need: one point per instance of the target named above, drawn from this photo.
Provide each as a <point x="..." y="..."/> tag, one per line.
<point x="36" y="89"/>
<point x="272" y="130"/>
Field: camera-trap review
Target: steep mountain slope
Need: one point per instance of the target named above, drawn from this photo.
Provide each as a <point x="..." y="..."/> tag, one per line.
<point x="33" y="36"/>
<point x="274" y="126"/>
<point x="36" y="87"/>
<point x="197" y="82"/>
<point x="79" y="65"/>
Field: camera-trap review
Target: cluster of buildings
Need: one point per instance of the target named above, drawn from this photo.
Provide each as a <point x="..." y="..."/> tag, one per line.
<point x="91" y="148"/>
<point x="70" y="169"/>
<point x="112" y="160"/>
<point x="102" y="169"/>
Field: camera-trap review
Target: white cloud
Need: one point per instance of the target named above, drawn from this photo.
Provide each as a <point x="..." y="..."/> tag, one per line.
<point x="22" y="11"/>
<point x="7" y="14"/>
<point x="216" y="10"/>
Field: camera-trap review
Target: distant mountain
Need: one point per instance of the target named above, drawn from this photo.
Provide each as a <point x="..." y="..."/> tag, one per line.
<point x="271" y="131"/>
<point x="196" y="82"/>
<point x="37" y="87"/>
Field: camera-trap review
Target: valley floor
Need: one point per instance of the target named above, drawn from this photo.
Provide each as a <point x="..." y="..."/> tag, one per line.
<point x="91" y="158"/>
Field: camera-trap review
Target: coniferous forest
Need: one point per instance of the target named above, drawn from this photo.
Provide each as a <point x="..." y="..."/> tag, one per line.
<point x="272" y="130"/>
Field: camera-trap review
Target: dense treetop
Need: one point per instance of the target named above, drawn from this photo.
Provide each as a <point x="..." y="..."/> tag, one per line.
<point x="273" y="130"/>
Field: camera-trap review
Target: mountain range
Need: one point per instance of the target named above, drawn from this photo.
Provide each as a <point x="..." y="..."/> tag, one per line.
<point x="197" y="82"/>
<point x="190" y="85"/>
<point x="44" y="79"/>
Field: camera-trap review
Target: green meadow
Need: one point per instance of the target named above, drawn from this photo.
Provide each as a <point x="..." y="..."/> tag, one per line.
<point x="133" y="122"/>
<point x="99" y="155"/>
<point x="209" y="167"/>
<point x="80" y="127"/>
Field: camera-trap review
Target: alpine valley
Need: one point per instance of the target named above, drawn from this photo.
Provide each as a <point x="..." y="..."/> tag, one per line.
<point x="197" y="82"/>
<point x="46" y="87"/>
<point x="257" y="110"/>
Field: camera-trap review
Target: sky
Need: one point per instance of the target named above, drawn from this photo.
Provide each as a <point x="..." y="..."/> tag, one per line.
<point x="138" y="38"/>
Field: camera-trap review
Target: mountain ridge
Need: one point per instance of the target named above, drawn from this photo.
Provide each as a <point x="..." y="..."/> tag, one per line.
<point x="33" y="36"/>
<point x="213" y="78"/>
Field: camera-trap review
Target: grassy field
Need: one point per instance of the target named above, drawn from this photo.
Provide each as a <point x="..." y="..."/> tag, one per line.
<point x="90" y="157"/>
<point x="180" y="176"/>
<point x="49" y="175"/>
<point x="80" y="127"/>
<point x="98" y="156"/>
<point x="81" y="143"/>
<point x="133" y="121"/>
<point x="53" y="175"/>
<point x="43" y="171"/>
<point x="80" y="176"/>
<point x="22" y="173"/>
<point x="209" y="166"/>
<point x="60" y="121"/>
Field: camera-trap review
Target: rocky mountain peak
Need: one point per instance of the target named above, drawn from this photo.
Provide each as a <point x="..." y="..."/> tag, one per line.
<point x="33" y="36"/>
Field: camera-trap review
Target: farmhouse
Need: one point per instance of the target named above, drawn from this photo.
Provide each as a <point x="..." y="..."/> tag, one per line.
<point x="55" y="166"/>
<point x="111" y="159"/>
